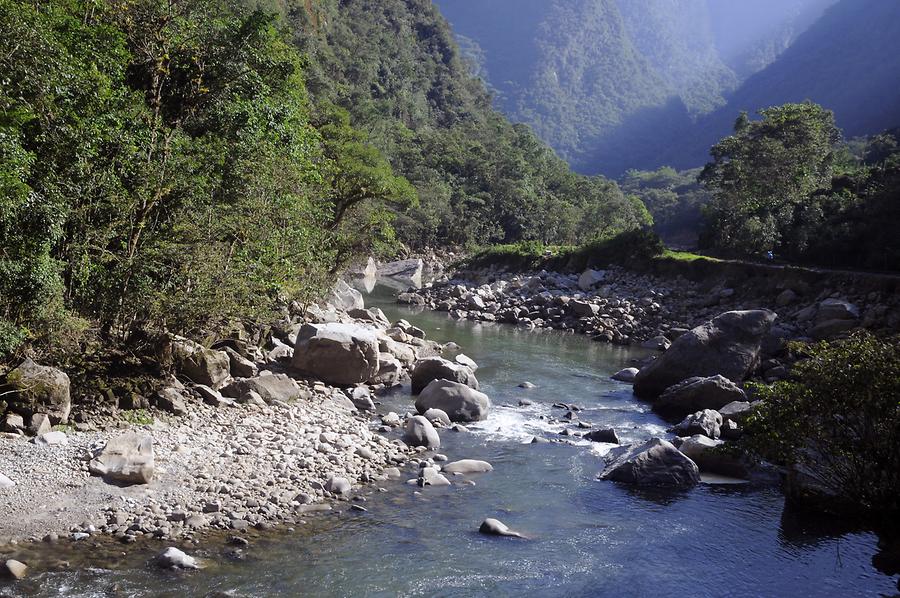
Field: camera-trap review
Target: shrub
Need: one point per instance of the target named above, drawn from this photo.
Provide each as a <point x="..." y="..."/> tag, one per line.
<point x="840" y="419"/>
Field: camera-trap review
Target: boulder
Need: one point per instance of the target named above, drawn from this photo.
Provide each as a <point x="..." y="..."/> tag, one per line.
<point x="31" y="388"/>
<point x="373" y="316"/>
<point x="494" y="527"/>
<point x="607" y="435"/>
<point x="13" y="569"/>
<point x="411" y="299"/>
<point x="785" y="298"/>
<point x="362" y="398"/>
<point x="736" y="411"/>
<point x="338" y="485"/>
<point x="590" y="278"/>
<point x="460" y="402"/>
<point x="127" y="458"/>
<point x="52" y="439"/>
<point x="626" y="375"/>
<point x="696" y="394"/>
<point x="39" y="424"/>
<point x="343" y="297"/>
<point x="241" y="367"/>
<point x="172" y="558"/>
<point x="431" y="476"/>
<point x="729" y="345"/>
<point x="390" y="371"/>
<point x="420" y="432"/>
<point x="403" y="352"/>
<point x="171" y="400"/>
<point x="463" y="359"/>
<point x="584" y="309"/>
<point x="437" y="416"/>
<point x="836" y="309"/>
<point x="706" y="422"/>
<point x="341" y="354"/>
<point x="13" y="422"/>
<point x="658" y="343"/>
<point x="703" y="451"/>
<point x="832" y="329"/>
<point x="652" y="463"/>
<point x="201" y="365"/>
<point x="404" y="270"/>
<point x="467" y="466"/>
<point x="437" y="368"/>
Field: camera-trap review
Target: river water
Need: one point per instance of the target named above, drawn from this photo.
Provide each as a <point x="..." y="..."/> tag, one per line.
<point x="585" y="537"/>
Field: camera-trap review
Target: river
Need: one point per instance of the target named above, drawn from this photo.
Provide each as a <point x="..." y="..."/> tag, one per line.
<point x="585" y="537"/>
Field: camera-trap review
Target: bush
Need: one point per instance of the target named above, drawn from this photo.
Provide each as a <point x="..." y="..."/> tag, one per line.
<point x="840" y="419"/>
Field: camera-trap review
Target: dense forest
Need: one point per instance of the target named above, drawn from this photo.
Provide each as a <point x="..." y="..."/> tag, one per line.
<point x="180" y="163"/>
<point x="615" y="85"/>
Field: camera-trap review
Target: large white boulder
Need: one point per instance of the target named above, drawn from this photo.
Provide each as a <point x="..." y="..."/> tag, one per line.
<point x="341" y="354"/>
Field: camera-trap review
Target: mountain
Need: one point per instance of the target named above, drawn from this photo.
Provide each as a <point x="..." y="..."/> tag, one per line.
<point x="619" y="84"/>
<point x="848" y="61"/>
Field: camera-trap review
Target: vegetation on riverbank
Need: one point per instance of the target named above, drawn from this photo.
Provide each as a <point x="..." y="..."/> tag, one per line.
<point x="839" y="419"/>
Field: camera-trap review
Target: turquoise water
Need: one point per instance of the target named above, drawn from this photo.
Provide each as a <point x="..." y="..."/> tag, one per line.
<point x="586" y="537"/>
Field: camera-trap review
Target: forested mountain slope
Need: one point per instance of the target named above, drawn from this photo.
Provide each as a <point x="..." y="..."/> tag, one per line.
<point x="395" y="66"/>
<point x="619" y="84"/>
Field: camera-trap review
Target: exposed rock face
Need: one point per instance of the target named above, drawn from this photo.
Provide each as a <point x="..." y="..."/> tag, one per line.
<point x="201" y="365"/>
<point x="37" y="388"/>
<point x="706" y="422"/>
<point x="438" y="368"/>
<point x="420" y="432"/>
<point x="653" y="463"/>
<point x="460" y="402"/>
<point x="342" y="354"/>
<point x="696" y="394"/>
<point x="127" y="458"/>
<point x="728" y="345"/>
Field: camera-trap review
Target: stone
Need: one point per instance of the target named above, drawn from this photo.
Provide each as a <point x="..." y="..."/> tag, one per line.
<point x="696" y="394"/>
<point x="404" y="353"/>
<point x="431" y="476"/>
<point x="390" y="371"/>
<point x="465" y="360"/>
<point x="172" y="558"/>
<point x="655" y="462"/>
<point x="495" y="527"/>
<point x="5" y="482"/>
<point x="410" y="299"/>
<point x="626" y="375"/>
<point x="340" y="354"/>
<point x="729" y="345"/>
<point x="836" y="309"/>
<point x="52" y="439"/>
<point x="736" y="411"/>
<point x="171" y="400"/>
<point x="210" y="396"/>
<point x="460" y="402"/>
<point x="39" y="424"/>
<point x="437" y="368"/>
<point x="338" y="485"/>
<point x="468" y="466"/>
<point x="269" y="387"/>
<point x="373" y="315"/>
<point x="658" y="343"/>
<point x="343" y="297"/>
<point x="201" y="365"/>
<point x="126" y="459"/>
<point x="13" y="422"/>
<point x="701" y="450"/>
<point x="31" y="388"/>
<point x="241" y="367"/>
<point x="404" y="270"/>
<point x="785" y="298"/>
<point x="438" y="416"/>
<point x="590" y="278"/>
<point x="706" y="422"/>
<point x="420" y="432"/>
<point x="584" y="309"/>
<point x="607" y="435"/>
<point x="13" y="569"/>
<point x="362" y="399"/>
<point x="527" y="385"/>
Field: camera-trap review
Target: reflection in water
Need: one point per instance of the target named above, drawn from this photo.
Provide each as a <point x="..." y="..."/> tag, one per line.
<point x="588" y="538"/>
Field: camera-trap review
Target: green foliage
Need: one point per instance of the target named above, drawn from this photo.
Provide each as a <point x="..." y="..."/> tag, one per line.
<point x="763" y="173"/>
<point x="840" y="417"/>
<point x="159" y="164"/>
<point x="394" y="66"/>
<point x="673" y="198"/>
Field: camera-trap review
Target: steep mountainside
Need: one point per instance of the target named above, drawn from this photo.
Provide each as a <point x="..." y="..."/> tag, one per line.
<point x="848" y="61"/>
<point x="618" y="84"/>
<point x="395" y="67"/>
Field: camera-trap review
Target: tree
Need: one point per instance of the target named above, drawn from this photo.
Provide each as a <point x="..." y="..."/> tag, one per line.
<point x="762" y="174"/>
